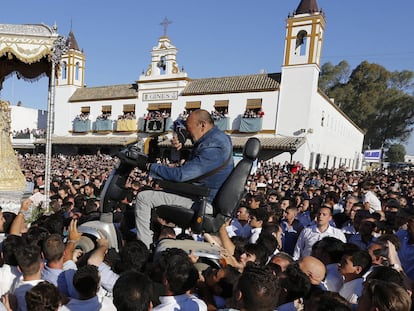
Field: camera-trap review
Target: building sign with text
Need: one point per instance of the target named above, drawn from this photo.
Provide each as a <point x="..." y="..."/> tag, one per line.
<point x="156" y="96"/>
<point x="373" y="155"/>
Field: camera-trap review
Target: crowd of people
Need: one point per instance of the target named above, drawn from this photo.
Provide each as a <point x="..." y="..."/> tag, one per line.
<point x="253" y="113"/>
<point x="299" y="240"/>
<point x="127" y="116"/>
<point x="26" y="133"/>
<point x="82" y="117"/>
<point x="219" y="113"/>
<point x="104" y="116"/>
<point x="157" y="115"/>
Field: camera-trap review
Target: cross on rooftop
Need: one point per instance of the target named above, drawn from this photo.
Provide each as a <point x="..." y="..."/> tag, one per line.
<point x="165" y="24"/>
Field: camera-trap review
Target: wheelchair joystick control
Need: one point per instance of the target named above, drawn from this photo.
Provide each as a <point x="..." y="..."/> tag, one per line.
<point x="134" y="157"/>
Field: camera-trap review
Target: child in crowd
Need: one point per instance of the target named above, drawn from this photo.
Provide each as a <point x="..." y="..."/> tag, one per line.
<point x="353" y="265"/>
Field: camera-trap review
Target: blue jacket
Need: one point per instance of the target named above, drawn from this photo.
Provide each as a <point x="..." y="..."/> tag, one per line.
<point x="209" y="153"/>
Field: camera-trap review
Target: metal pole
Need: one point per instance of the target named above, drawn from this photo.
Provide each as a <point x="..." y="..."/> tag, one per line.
<point x="58" y="49"/>
<point x="50" y="129"/>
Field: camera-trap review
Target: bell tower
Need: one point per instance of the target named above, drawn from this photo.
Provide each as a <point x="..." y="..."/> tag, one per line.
<point x="301" y="67"/>
<point x="163" y="59"/>
<point x="305" y="30"/>
<point x="72" y="65"/>
<point x="71" y="77"/>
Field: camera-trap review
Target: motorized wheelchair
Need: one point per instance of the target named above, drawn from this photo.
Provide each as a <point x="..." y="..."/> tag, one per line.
<point x="225" y="203"/>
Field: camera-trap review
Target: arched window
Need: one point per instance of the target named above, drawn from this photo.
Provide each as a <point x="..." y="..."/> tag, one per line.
<point x="64" y="70"/>
<point x="77" y="71"/>
<point x="301" y="40"/>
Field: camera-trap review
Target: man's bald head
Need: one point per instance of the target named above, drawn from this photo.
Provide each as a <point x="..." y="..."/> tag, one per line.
<point x="199" y="122"/>
<point x="313" y="268"/>
<point x="201" y="115"/>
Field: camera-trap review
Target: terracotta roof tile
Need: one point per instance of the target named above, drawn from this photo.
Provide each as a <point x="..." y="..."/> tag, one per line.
<point x="121" y="91"/>
<point x="269" y="143"/>
<point x="277" y="142"/>
<point x="233" y="84"/>
<point x="91" y="140"/>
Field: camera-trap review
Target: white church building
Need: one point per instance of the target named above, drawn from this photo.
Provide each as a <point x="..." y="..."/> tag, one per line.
<point x="292" y="117"/>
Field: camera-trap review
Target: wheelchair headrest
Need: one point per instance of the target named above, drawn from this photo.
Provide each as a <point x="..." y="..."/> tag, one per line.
<point x="251" y="148"/>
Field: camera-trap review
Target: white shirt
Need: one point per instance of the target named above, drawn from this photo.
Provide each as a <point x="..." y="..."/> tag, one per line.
<point x="352" y="290"/>
<point x="374" y="202"/>
<point x="334" y="279"/>
<point x="311" y="235"/>
<point x="255" y="235"/>
<point x="236" y="228"/>
<point x="93" y="304"/>
<point x="181" y="303"/>
<point x="7" y="276"/>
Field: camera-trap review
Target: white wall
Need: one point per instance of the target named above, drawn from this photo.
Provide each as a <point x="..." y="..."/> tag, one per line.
<point x="23" y="118"/>
<point x="64" y="110"/>
<point x="334" y="136"/>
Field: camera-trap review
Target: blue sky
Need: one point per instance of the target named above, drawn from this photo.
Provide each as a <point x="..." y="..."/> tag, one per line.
<point x="215" y="38"/>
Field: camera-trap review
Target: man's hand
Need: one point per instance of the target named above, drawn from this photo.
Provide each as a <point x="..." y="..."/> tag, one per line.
<point x="24" y="206"/>
<point x="73" y="237"/>
<point x="9" y="301"/>
<point x="176" y="143"/>
<point x="77" y="253"/>
<point x="228" y="259"/>
<point x="73" y="234"/>
<point x="193" y="257"/>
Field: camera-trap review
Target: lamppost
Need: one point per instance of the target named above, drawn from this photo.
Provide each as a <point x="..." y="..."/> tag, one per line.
<point x="59" y="48"/>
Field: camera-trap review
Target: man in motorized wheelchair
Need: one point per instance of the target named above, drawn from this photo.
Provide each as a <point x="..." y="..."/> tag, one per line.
<point x="209" y="165"/>
<point x="201" y="194"/>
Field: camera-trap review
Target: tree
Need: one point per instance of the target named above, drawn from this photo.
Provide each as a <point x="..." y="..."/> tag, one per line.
<point x="332" y="75"/>
<point x="396" y="153"/>
<point x="378" y="101"/>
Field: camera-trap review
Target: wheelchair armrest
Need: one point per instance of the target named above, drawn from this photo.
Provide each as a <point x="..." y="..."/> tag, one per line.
<point x="183" y="188"/>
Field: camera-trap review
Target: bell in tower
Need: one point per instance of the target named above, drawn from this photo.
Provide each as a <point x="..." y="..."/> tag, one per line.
<point x="163" y="58"/>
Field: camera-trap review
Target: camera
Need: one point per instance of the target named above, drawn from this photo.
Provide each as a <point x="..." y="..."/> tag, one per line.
<point x="179" y="127"/>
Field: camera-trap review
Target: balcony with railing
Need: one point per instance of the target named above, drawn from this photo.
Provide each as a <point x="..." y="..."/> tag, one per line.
<point x="81" y="125"/>
<point x="103" y="125"/>
<point x="126" y="122"/>
<point x="251" y="125"/>
<point x="126" y="125"/>
<point x="222" y="123"/>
